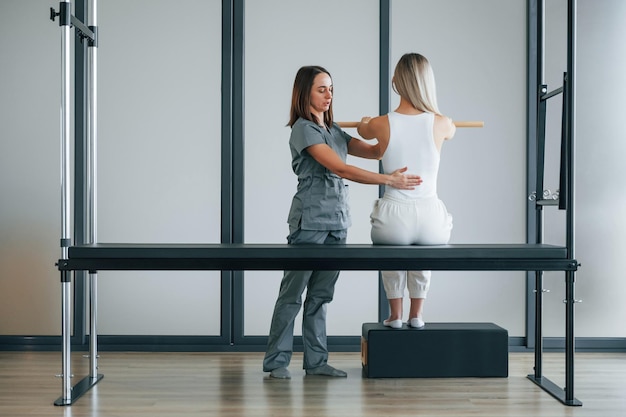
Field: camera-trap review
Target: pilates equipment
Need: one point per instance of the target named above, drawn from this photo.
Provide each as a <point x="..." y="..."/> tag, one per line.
<point x="439" y="350"/>
<point x="90" y="35"/>
<point x="360" y="257"/>
<point x="94" y="256"/>
<point x="457" y="124"/>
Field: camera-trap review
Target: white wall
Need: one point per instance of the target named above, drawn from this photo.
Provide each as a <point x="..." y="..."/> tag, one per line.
<point x="276" y="46"/>
<point x="600" y="173"/>
<point x="159" y="158"/>
<point x="30" y="215"/>
<point x="159" y="153"/>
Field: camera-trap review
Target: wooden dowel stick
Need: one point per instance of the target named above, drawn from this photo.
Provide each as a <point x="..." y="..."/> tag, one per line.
<point x="457" y="124"/>
<point x="471" y="123"/>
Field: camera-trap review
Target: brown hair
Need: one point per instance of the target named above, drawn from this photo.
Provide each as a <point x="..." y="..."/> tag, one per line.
<point x="301" y="96"/>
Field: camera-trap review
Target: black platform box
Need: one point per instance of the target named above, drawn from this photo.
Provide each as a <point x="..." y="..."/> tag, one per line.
<point x="439" y="350"/>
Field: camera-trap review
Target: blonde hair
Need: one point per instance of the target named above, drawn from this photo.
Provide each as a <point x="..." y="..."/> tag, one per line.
<point x="414" y="80"/>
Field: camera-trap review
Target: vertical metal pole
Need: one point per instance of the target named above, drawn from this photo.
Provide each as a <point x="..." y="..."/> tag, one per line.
<point x="384" y="80"/>
<point x="66" y="306"/>
<point x="569" y="92"/>
<point x="238" y="157"/>
<point x="541" y="143"/>
<point x="538" y="323"/>
<point x="569" y="336"/>
<point x="540" y="155"/>
<point x="384" y="51"/>
<point x="65" y="138"/>
<point x="92" y="88"/>
<point x="532" y="59"/>
<point x="80" y="202"/>
<point x="226" y="229"/>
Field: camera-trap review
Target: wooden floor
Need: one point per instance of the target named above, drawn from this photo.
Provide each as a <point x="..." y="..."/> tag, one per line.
<point x="233" y="384"/>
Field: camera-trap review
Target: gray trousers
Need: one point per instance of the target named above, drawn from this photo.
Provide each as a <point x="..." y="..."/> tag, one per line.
<point x="320" y="286"/>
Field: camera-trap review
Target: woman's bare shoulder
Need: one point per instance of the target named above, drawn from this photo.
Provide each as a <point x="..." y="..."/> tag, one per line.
<point x="444" y="126"/>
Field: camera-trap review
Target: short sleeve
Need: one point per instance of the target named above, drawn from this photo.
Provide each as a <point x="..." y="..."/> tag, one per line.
<point x="305" y="134"/>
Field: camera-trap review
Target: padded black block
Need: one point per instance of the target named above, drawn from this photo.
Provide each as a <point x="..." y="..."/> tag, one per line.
<point x="439" y="350"/>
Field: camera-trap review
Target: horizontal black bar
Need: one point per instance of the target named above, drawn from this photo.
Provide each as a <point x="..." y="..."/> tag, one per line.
<point x="551" y="94"/>
<point x="275" y="264"/>
<point x="83" y="29"/>
<point x="350" y="251"/>
<point x="169" y="343"/>
<point x="243" y="257"/>
<point x="547" y="202"/>
<point x="79" y="389"/>
<point x="554" y="390"/>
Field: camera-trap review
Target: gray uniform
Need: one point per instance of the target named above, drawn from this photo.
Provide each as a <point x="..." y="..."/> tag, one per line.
<point x="319" y="215"/>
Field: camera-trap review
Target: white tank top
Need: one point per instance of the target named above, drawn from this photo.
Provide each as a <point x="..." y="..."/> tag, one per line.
<point x="412" y="144"/>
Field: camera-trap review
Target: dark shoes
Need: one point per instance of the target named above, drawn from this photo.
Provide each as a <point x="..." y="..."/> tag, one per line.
<point x="280" y="373"/>
<point x="326" y="370"/>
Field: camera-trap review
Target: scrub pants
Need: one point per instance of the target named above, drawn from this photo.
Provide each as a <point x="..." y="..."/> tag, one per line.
<point x="320" y="286"/>
<point x="399" y="221"/>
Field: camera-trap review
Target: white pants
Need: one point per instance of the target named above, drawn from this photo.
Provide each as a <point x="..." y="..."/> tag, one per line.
<point x="397" y="221"/>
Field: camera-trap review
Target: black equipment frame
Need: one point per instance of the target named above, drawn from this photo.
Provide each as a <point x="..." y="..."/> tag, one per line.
<point x="231" y="256"/>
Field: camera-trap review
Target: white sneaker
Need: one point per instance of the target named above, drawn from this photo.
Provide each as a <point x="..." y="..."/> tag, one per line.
<point x="416" y="323"/>
<point x="394" y="324"/>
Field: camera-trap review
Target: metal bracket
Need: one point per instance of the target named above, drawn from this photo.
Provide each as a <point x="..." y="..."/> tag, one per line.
<point x="64" y="14"/>
<point x="67" y="19"/>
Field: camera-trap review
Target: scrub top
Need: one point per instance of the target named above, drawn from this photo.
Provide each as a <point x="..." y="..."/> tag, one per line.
<point x="321" y="200"/>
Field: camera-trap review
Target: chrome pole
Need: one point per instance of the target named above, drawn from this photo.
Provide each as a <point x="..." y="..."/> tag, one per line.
<point x="66" y="307"/>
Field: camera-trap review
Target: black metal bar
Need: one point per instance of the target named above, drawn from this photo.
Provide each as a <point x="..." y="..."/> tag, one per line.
<point x="226" y="230"/>
<point x="570" y="90"/>
<point x="547" y="202"/>
<point x="169" y="343"/>
<point x="384" y="66"/>
<point x="227" y="123"/>
<point x="533" y="61"/>
<point x="238" y="163"/>
<point x="546" y="96"/>
<point x="538" y="324"/>
<point x="554" y="390"/>
<point x="570" y="341"/>
<point x="318" y="263"/>
<point x="384" y="97"/>
<point x="83" y="30"/>
<point x="540" y="143"/>
<point x="564" y="172"/>
<point x="348" y="251"/>
<point x="80" y="175"/>
<point x="384" y="51"/>
<point x="540" y="155"/>
<point x="238" y="103"/>
<point x="79" y="389"/>
<point x="570" y="276"/>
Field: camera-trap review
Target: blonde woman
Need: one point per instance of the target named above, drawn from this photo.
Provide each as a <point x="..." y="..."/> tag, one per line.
<point x="410" y="136"/>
